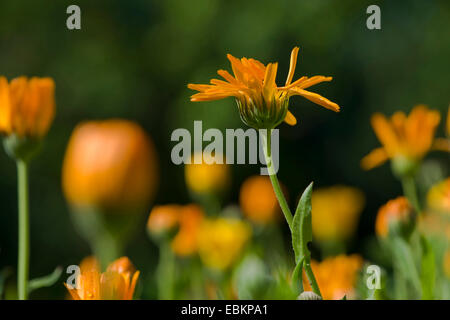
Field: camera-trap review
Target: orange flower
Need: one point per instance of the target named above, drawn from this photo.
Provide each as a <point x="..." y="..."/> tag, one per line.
<point x="336" y="276"/>
<point x="117" y="283"/>
<point x="261" y="103"/>
<point x="396" y="212"/>
<point x="258" y="201"/>
<point x="405" y="139"/>
<point x="110" y="164"/>
<point x="188" y="218"/>
<point x="27" y="106"/>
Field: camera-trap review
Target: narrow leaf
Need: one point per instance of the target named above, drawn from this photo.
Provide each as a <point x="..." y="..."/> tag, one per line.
<point x="428" y="273"/>
<point x="302" y="225"/>
<point x="45" y="281"/>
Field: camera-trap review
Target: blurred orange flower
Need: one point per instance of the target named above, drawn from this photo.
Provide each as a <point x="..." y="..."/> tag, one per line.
<point x="27" y="106"/>
<point x="336" y="276"/>
<point x="110" y="164"/>
<point x="258" y="201"/>
<point x="221" y="241"/>
<point x="207" y="178"/>
<point x="117" y="283"/>
<point x="404" y="138"/>
<point x="335" y="212"/>
<point x="187" y="218"/>
<point x="395" y="212"/>
<point x="447" y="264"/>
<point x="262" y="104"/>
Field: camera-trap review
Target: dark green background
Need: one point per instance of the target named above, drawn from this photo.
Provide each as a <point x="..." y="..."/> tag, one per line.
<point x="133" y="59"/>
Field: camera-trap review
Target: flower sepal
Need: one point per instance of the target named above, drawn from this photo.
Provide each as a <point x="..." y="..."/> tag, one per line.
<point x="21" y="148"/>
<point x="266" y="116"/>
<point x="403" y="166"/>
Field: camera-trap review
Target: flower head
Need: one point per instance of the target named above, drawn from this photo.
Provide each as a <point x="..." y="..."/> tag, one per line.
<point x="221" y="241"/>
<point x="207" y="177"/>
<point x="258" y="201"/>
<point x="405" y="139"/>
<point x="336" y="276"/>
<point x="117" y="283"/>
<point x="438" y="198"/>
<point x="27" y="106"/>
<point x="261" y="103"/>
<point x="110" y="164"/>
<point x="187" y="218"/>
<point x="335" y="212"/>
<point x="396" y="214"/>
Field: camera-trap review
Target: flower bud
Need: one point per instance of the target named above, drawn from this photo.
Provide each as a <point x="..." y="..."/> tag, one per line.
<point x="396" y="217"/>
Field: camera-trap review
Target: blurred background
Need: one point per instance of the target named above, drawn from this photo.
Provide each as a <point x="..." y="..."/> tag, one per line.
<point x="133" y="60"/>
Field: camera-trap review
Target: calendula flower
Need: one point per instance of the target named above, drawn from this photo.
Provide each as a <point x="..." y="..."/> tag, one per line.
<point x="438" y="198"/>
<point x="205" y="178"/>
<point x="110" y="164"/>
<point x="336" y="276"/>
<point x="335" y="212"/>
<point x="221" y="241"/>
<point x="258" y="201"/>
<point x="186" y="218"/>
<point x="116" y="283"/>
<point x="405" y="139"/>
<point x="396" y="214"/>
<point x="27" y="106"/>
<point x="261" y="103"/>
<point x="447" y="264"/>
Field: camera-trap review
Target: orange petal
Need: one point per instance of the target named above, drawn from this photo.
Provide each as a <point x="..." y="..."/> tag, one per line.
<point x="292" y="65"/>
<point x="290" y="119"/>
<point x="5" y="106"/>
<point x="316" y="98"/>
<point x="313" y="80"/>
<point x="374" y="159"/>
<point x="269" y="80"/>
<point x="441" y="144"/>
<point x="385" y="133"/>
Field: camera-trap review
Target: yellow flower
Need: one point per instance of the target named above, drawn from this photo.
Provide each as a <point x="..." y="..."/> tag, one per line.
<point x="438" y="198"/>
<point x="27" y="106"/>
<point x="336" y="276"/>
<point x="221" y="241"/>
<point x="447" y="264"/>
<point x="258" y="201"/>
<point x="261" y="103"/>
<point x="335" y="212"/>
<point x="405" y="139"/>
<point x="110" y="164"/>
<point x="117" y="283"/>
<point x="187" y="218"/>
<point x="395" y="213"/>
<point x="207" y="178"/>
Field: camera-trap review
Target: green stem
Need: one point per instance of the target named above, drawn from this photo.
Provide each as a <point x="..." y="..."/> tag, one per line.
<point x="273" y="178"/>
<point x="410" y="192"/>
<point x="24" y="229"/>
<point x="165" y="271"/>
<point x="284" y="206"/>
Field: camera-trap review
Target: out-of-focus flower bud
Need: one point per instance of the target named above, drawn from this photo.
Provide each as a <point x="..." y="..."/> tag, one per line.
<point x="221" y="241"/>
<point x="335" y="212"/>
<point x="397" y="217"/>
<point x="27" y="108"/>
<point x="109" y="178"/>
<point x="185" y="219"/>
<point x="110" y="165"/>
<point x="258" y="200"/>
<point x="308" y="295"/>
<point x="438" y="198"/>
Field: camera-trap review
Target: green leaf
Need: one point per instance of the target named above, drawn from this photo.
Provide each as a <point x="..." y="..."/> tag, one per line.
<point x="302" y="226"/>
<point x="4" y="274"/>
<point x="297" y="281"/>
<point x="45" y="281"/>
<point x="404" y="261"/>
<point x="428" y="271"/>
